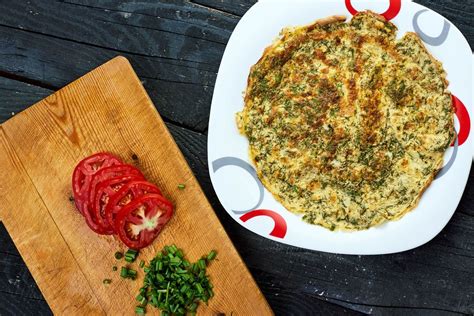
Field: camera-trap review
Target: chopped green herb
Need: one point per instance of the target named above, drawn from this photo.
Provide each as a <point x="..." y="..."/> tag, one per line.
<point x="118" y="255"/>
<point x="114" y="268"/>
<point x="131" y="255"/>
<point x="181" y="186"/>
<point x="173" y="284"/>
<point x="124" y="272"/>
<point x="140" y="310"/>
<point x="107" y="281"/>
<point x="211" y="255"/>
<point x="142" y="263"/>
<point x="127" y="273"/>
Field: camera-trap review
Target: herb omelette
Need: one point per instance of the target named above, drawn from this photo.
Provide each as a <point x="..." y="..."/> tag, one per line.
<point x="346" y="124"/>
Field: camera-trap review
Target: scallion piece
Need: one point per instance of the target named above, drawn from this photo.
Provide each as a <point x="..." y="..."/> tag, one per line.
<point x="181" y="186"/>
<point x="202" y="264"/>
<point x="124" y="272"/>
<point x="107" y="281"/>
<point x="118" y="255"/>
<point x="131" y="255"/>
<point x="172" y="283"/>
<point x="140" y="310"/>
<point x="211" y="255"/>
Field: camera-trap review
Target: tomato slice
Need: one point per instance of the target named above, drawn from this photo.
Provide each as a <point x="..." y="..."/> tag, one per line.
<point x="125" y="195"/>
<point x="105" y="192"/>
<point x="91" y="221"/>
<point x="83" y="173"/>
<point x="140" y="222"/>
<point x="103" y="175"/>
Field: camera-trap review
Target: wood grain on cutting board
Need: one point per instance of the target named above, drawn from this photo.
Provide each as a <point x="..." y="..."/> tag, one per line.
<point x="106" y="110"/>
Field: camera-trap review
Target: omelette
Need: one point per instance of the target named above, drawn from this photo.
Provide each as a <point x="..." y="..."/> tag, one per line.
<point x="347" y="125"/>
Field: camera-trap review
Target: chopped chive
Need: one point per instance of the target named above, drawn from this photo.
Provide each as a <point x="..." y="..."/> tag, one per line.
<point x="107" y="281"/>
<point x="199" y="288"/>
<point x="211" y="255"/>
<point x="131" y="255"/>
<point x="140" y="310"/>
<point x="179" y="254"/>
<point x="192" y="307"/>
<point x="202" y="264"/>
<point x="114" y="268"/>
<point x="124" y="272"/>
<point x="118" y="255"/>
<point x="181" y="186"/>
<point x="173" y="284"/>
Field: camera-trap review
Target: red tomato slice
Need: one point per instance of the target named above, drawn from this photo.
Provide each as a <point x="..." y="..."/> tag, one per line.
<point x="103" y="175"/>
<point x="83" y="172"/>
<point x="91" y="221"/>
<point x="125" y="195"/>
<point x="140" y="221"/>
<point x="105" y="192"/>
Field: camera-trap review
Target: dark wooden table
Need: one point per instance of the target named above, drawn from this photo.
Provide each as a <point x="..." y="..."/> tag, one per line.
<point x="175" y="47"/>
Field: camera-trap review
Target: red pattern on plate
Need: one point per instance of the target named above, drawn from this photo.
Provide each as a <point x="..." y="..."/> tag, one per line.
<point x="464" y="120"/>
<point x="280" y="224"/>
<point x="392" y="11"/>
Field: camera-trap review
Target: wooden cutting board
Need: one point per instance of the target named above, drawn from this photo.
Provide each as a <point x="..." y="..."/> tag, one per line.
<point x="105" y="110"/>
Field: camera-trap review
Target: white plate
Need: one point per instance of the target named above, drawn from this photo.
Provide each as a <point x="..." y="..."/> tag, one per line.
<point x="234" y="179"/>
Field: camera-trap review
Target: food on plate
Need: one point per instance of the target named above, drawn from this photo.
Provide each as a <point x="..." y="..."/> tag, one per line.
<point x="173" y="284"/>
<point x="347" y="124"/>
<point x="102" y="183"/>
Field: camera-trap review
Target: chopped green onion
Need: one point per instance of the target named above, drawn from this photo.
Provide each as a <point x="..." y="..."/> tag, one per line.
<point x="127" y="273"/>
<point x="131" y="255"/>
<point x="140" y="310"/>
<point x="172" y="283"/>
<point x="124" y="272"/>
<point x="114" y="268"/>
<point x="211" y="255"/>
<point x="118" y="255"/>
<point x="202" y="264"/>
<point x="181" y="186"/>
<point x="107" y="281"/>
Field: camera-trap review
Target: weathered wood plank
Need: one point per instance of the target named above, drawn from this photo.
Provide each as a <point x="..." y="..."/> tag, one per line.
<point x="236" y="7"/>
<point x="181" y="90"/>
<point x="11" y="304"/>
<point x="158" y="34"/>
<point x="15" y="279"/>
<point x="16" y="95"/>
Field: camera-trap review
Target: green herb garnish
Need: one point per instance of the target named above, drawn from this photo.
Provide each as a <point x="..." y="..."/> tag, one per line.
<point x="181" y="186"/>
<point x="128" y="273"/>
<point x="173" y="284"/>
<point x="107" y="281"/>
<point x="131" y="255"/>
<point x="118" y="255"/>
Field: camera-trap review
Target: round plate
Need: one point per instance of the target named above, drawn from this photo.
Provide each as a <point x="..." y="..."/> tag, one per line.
<point x="234" y="178"/>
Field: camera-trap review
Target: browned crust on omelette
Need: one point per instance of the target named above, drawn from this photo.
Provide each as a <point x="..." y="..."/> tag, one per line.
<point x="346" y="124"/>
